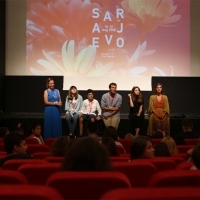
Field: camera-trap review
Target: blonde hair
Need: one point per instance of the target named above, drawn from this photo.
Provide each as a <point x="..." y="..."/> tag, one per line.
<point x="171" y="144"/>
<point x="129" y="136"/>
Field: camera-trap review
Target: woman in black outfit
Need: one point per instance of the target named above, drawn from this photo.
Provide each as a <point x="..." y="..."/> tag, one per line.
<point x="136" y="114"/>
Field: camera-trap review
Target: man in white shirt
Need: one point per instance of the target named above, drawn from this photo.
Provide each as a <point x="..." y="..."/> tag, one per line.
<point x="90" y="110"/>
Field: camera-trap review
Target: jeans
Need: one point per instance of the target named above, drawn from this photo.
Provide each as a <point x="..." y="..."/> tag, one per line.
<point x="72" y="121"/>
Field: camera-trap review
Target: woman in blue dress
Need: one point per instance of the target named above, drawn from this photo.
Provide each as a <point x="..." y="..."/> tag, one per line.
<point x="52" y="114"/>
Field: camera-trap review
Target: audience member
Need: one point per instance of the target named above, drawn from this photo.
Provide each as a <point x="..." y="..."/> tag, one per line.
<point x="111" y="132"/>
<point x="171" y="144"/>
<point x="109" y="143"/>
<point x="59" y="147"/>
<point x="196" y="156"/>
<point x="187" y="128"/>
<point x="161" y="150"/>
<point x="87" y="154"/>
<point x="129" y="136"/>
<point x="15" y="146"/>
<point x="141" y="147"/>
<point x="36" y="133"/>
<point x="92" y="130"/>
<point x="3" y="132"/>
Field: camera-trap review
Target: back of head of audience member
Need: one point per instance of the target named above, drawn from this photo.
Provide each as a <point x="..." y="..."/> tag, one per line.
<point x="196" y="156"/>
<point x="59" y="146"/>
<point x="171" y="144"/>
<point x="179" y="140"/>
<point x="187" y="125"/>
<point x="111" y="132"/>
<point x="129" y="136"/>
<point x="15" y="144"/>
<point x="109" y="143"/>
<point x="92" y="129"/>
<point x="161" y="150"/>
<point x="87" y="154"/>
<point x="141" y="147"/>
<point x="158" y="134"/>
<point x="3" y="132"/>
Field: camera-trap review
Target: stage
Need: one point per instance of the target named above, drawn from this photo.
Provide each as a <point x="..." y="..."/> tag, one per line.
<point x="10" y="120"/>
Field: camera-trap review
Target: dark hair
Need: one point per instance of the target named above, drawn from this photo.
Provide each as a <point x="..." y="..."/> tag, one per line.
<point x="161" y="149"/>
<point x="69" y="96"/>
<point x="3" y="131"/>
<point x="18" y="130"/>
<point x="47" y="81"/>
<point x="109" y="143"/>
<point x="111" y="132"/>
<point x="155" y="91"/>
<point x="33" y="126"/>
<point x="87" y="154"/>
<point x="112" y="84"/>
<point x="59" y="146"/>
<point x="196" y="156"/>
<point x="187" y="123"/>
<point x="136" y="98"/>
<point x="89" y="91"/>
<point x="179" y="140"/>
<point x="138" y="146"/>
<point x="92" y="127"/>
<point x="11" y="140"/>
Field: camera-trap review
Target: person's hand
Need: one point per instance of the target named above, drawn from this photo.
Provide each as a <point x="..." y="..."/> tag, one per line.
<point x="59" y="103"/>
<point x="105" y="117"/>
<point x="129" y="95"/>
<point x="115" y="108"/>
<point x="80" y="114"/>
<point x="138" y="114"/>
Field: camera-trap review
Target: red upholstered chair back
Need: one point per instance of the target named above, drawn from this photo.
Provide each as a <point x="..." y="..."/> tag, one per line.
<point x="191" y="141"/>
<point x="12" y="177"/>
<point x="30" y="140"/>
<point x="185" y="165"/>
<point x="16" y="192"/>
<point x="126" y="144"/>
<point x="184" y="148"/>
<point x="40" y="155"/>
<point x="1" y="146"/>
<point x="138" y="173"/>
<point x="16" y="163"/>
<point x="120" y="149"/>
<point x="182" y="155"/>
<point x="33" y="148"/>
<point x="49" y="142"/>
<point x="119" y="159"/>
<point x="54" y="159"/>
<point x="38" y="173"/>
<point x="87" y="185"/>
<point x="175" y="178"/>
<point x="170" y="193"/>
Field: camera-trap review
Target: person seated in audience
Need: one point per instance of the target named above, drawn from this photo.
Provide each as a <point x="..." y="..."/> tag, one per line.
<point x="59" y="146"/>
<point x="169" y="141"/>
<point x="111" y="132"/>
<point x="15" y="146"/>
<point x="3" y="132"/>
<point x="129" y="136"/>
<point x="141" y="147"/>
<point x="109" y="143"/>
<point x="196" y="157"/>
<point x="36" y="133"/>
<point x="187" y="128"/>
<point x="161" y="150"/>
<point x="92" y="130"/>
<point x="87" y="154"/>
<point x="90" y="111"/>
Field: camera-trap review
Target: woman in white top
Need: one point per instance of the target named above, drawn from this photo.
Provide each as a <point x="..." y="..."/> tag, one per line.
<point x="73" y="106"/>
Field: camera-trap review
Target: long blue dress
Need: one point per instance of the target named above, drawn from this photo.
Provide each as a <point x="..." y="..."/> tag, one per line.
<point x="52" y="116"/>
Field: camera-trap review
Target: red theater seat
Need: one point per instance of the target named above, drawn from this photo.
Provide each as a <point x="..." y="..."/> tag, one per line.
<point x="119" y="159"/>
<point x="29" y="192"/>
<point x="54" y="159"/>
<point x="138" y="173"/>
<point x="38" y="173"/>
<point x="40" y="155"/>
<point x="175" y="178"/>
<point x="189" y="193"/>
<point x="33" y="148"/>
<point x="185" y="165"/>
<point x="12" y="177"/>
<point x="184" y="148"/>
<point x="16" y="163"/>
<point x="30" y="140"/>
<point x="126" y="144"/>
<point x="87" y="185"/>
<point x="191" y="141"/>
<point x="49" y="142"/>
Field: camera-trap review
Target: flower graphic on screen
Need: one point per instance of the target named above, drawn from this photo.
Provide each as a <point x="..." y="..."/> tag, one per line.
<point x="71" y="64"/>
<point x="147" y="15"/>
